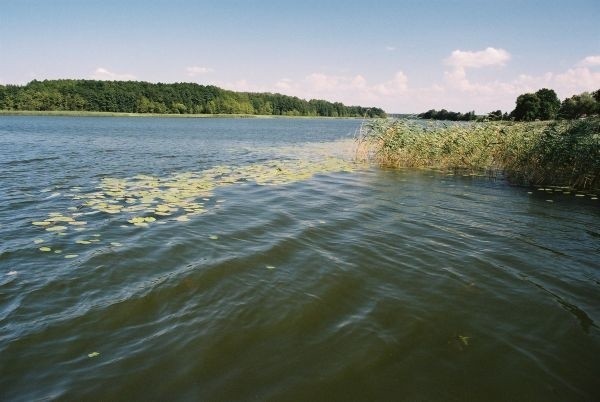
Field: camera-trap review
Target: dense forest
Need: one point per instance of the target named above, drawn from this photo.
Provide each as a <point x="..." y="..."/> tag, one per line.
<point x="541" y="105"/>
<point x="178" y="98"/>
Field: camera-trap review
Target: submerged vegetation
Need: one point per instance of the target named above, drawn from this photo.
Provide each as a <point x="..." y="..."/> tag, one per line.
<point x="563" y="153"/>
<point x="178" y="98"/>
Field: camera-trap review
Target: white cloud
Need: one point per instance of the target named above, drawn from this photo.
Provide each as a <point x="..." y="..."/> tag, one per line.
<point x="349" y="89"/>
<point x="395" y="86"/>
<point x="359" y="82"/>
<point x="284" y="84"/>
<point x="456" y="79"/>
<point x="590" y="61"/>
<point x="454" y="89"/>
<point x="103" y="74"/>
<point x="488" y="57"/>
<point x="242" y="85"/>
<point x="194" y="71"/>
<point x="323" y="82"/>
<point x="502" y="94"/>
<point x="390" y="48"/>
<point x="577" y="79"/>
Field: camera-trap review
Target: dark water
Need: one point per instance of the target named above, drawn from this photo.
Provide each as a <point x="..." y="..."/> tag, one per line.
<point x="326" y="281"/>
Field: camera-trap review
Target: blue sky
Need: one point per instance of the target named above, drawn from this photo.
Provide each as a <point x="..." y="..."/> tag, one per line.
<point x="402" y="55"/>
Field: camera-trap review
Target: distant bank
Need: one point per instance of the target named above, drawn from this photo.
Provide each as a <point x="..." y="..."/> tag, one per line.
<point x="181" y="99"/>
<point x="76" y="113"/>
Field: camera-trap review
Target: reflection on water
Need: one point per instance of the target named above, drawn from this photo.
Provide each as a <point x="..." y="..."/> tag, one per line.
<point x="252" y="259"/>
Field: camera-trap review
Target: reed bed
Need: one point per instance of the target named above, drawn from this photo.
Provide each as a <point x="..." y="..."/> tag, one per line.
<point x="558" y="153"/>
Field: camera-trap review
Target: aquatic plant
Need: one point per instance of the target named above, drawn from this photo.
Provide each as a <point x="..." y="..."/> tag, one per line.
<point x="564" y="153"/>
<point x="143" y="201"/>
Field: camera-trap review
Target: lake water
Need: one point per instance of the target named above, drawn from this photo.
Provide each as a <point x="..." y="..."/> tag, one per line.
<point x="252" y="259"/>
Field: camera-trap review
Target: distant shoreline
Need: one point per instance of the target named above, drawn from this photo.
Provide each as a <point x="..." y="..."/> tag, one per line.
<point x="77" y="113"/>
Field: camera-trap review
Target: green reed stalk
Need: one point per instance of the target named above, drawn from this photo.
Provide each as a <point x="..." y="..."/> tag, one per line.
<point x="565" y="153"/>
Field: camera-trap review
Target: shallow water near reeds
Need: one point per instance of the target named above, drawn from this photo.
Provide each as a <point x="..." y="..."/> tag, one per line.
<point x="252" y="259"/>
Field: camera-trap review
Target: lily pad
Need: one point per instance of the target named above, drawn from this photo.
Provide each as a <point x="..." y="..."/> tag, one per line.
<point x="69" y="256"/>
<point x="60" y="219"/>
<point x="45" y="249"/>
<point x="94" y="354"/>
<point x="137" y="219"/>
<point x="56" y="228"/>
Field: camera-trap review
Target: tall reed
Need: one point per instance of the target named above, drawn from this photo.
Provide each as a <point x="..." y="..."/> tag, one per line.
<point x="565" y="153"/>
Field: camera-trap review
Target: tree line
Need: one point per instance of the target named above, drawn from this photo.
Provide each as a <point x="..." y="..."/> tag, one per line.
<point x="540" y="105"/>
<point x="177" y="98"/>
<point x="545" y="105"/>
<point x="447" y="115"/>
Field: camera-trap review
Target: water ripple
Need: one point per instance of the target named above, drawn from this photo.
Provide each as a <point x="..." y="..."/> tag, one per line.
<point x="365" y="285"/>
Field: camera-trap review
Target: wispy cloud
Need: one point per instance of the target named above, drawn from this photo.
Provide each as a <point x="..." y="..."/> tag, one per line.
<point x="488" y="57"/>
<point x="590" y="61"/>
<point x="350" y="89"/>
<point x="390" y="48"/>
<point x="194" y="71"/>
<point x="103" y="74"/>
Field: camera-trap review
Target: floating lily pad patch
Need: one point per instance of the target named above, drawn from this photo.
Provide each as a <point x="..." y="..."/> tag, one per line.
<point x="143" y="200"/>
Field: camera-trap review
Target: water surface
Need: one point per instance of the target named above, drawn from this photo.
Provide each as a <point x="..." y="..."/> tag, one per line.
<point x="281" y="270"/>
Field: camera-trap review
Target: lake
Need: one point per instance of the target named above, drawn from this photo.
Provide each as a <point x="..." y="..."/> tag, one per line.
<point x="254" y="259"/>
